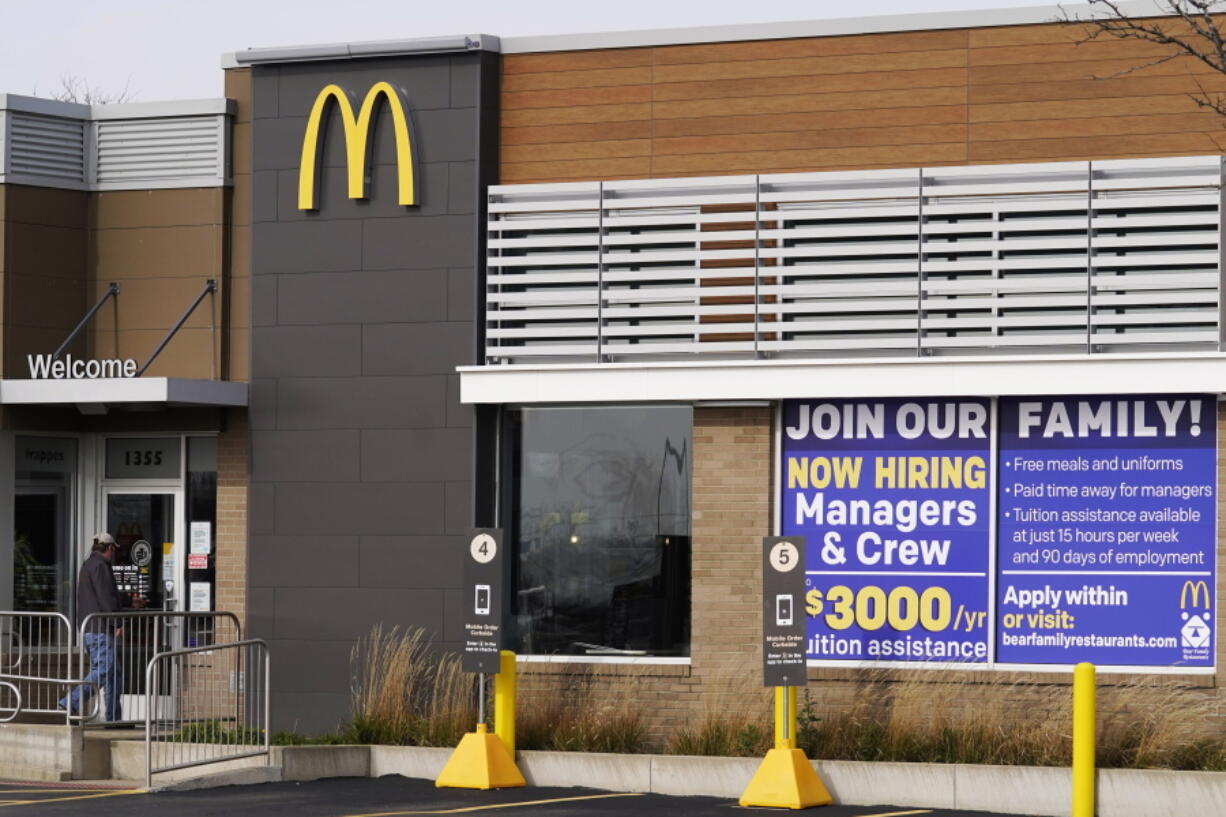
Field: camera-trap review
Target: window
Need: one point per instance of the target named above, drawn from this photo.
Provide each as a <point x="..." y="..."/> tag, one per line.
<point x="599" y="519"/>
<point x="43" y="561"/>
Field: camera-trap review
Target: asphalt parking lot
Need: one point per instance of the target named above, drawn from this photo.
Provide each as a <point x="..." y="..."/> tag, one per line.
<point x="384" y="797"/>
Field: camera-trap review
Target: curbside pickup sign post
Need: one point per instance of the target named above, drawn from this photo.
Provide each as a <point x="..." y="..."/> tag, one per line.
<point x="482" y="760"/>
<point x="785" y="778"/>
<point x="483" y="575"/>
<point x="783" y="614"/>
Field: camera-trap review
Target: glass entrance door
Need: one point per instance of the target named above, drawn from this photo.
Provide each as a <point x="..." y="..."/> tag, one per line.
<point x="145" y="525"/>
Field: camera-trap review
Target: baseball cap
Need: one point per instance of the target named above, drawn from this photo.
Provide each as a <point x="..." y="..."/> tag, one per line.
<point x="104" y="539"/>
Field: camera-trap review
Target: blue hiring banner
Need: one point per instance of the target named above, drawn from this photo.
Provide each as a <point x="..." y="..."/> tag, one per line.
<point x="894" y="498"/>
<point x="1107" y="530"/>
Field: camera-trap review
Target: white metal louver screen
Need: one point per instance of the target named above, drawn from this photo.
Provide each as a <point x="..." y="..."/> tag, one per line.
<point x="46" y="147"/>
<point x="1070" y="257"/>
<point x="179" y="149"/>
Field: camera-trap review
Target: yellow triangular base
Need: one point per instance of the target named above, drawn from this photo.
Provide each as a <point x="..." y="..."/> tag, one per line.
<point x="481" y="761"/>
<point x="785" y="780"/>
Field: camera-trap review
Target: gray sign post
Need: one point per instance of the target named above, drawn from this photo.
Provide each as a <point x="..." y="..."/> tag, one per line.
<point x="483" y="566"/>
<point x="783" y="616"/>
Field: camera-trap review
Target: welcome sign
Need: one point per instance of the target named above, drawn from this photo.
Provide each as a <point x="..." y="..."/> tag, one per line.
<point x="46" y="367"/>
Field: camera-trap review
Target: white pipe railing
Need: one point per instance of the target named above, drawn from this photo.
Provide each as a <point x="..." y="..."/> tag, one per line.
<point x="135" y="636"/>
<point x="214" y="710"/>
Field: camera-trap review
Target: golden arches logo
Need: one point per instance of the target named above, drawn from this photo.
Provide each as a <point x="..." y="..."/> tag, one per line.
<point x="359" y="143"/>
<point x="1199" y="590"/>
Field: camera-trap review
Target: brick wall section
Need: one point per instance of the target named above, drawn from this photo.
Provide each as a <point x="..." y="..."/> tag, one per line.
<point x="232" y="477"/>
<point x="732" y="511"/>
<point x="733" y="506"/>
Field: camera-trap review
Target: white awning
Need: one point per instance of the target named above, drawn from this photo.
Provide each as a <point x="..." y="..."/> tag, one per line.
<point x="102" y="392"/>
<point x="757" y="380"/>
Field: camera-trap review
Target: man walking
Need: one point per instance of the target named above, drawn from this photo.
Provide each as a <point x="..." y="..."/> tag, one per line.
<point x="97" y="593"/>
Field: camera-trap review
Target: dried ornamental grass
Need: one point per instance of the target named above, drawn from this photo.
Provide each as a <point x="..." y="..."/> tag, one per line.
<point x="735" y="722"/>
<point x="977" y="717"/>
<point x="403" y="692"/>
<point x="588" y="714"/>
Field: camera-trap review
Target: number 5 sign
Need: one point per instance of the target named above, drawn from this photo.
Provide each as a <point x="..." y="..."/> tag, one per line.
<point x="783" y="614"/>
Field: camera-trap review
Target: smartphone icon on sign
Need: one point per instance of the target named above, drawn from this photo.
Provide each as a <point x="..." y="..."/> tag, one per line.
<point x="483" y="600"/>
<point x="783" y="610"/>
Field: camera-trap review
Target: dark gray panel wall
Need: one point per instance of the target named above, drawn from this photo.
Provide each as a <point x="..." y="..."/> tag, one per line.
<point x="362" y="456"/>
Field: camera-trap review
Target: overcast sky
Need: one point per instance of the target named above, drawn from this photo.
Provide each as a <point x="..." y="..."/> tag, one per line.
<point x="171" y="49"/>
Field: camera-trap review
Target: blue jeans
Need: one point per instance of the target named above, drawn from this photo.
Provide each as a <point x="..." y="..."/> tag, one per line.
<point x="104" y="671"/>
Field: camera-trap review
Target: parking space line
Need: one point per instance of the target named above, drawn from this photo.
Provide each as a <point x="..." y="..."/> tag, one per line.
<point x="898" y="813"/>
<point x="4" y="791"/>
<point x="493" y="806"/>
<point x="119" y="793"/>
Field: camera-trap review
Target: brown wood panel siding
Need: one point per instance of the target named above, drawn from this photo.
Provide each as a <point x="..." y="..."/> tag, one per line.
<point x="1010" y="94"/>
<point x="812" y="47"/>
<point x="809" y="66"/>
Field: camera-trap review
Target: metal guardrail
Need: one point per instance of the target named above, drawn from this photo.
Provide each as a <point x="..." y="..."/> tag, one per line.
<point x="16" y="708"/>
<point x="38" y="651"/>
<point x="138" y="635"/>
<point x="200" y="691"/>
<point x="216" y="709"/>
<point x="16" y="682"/>
<point x="1067" y="258"/>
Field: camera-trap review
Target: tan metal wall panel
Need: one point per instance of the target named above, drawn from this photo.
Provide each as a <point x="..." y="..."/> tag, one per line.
<point x="238" y="251"/>
<point x="161" y="247"/>
<point x="44" y="255"/>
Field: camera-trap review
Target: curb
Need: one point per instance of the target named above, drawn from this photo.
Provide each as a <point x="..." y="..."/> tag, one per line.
<point x="235" y="777"/>
<point x="1009" y="789"/>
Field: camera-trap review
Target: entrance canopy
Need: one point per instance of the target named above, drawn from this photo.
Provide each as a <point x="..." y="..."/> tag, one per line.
<point x="95" y="396"/>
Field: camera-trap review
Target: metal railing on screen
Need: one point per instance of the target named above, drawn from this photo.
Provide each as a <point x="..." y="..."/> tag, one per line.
<point x="114" y="650"/>
<point x="38" y="656"/>
<point x="214" y="706"/>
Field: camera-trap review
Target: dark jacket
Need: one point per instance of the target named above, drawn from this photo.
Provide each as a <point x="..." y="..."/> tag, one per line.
<point x="96" y="590"/>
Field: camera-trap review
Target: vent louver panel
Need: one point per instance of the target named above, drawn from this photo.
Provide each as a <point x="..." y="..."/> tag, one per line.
<point x="845" y="250"/>
<point x="150" y="150"/>
<point x="46" y="147"/>
<point x="542" y="274"/>
<point x="1006" y="259"/>
<point x="125" y="146"/>
<point x="1156" y="253"/>
<point x="1005" y="252"/>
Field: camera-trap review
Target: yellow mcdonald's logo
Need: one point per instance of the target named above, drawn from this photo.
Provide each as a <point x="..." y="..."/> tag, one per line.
<point x="358" y="143"/>
<point x="1198" y="589"/>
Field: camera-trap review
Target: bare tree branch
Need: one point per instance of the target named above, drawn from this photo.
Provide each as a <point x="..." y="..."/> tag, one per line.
<point x="1190" y="31"/>
<point x="74" y="88"/>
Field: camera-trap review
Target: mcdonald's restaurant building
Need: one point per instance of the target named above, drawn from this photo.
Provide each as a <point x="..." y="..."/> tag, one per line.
<point x="920" y="289"/>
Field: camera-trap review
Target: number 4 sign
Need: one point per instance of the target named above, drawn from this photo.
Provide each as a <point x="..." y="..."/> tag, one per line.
<point x="483" y="587"/>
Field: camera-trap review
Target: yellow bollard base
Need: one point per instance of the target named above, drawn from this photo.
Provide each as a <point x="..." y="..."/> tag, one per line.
<point x="785" y="780"/>
<point x="481" y="761"/>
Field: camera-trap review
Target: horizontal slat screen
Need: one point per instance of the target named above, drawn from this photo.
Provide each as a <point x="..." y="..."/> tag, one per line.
<point x="181" y="148"/>
<point x="113" y="153"/>
<point x="47" y="147"/>
<point x="1071" y="257"/>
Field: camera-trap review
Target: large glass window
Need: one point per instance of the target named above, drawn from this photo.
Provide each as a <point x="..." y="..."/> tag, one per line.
<point x="599" y="518"/>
